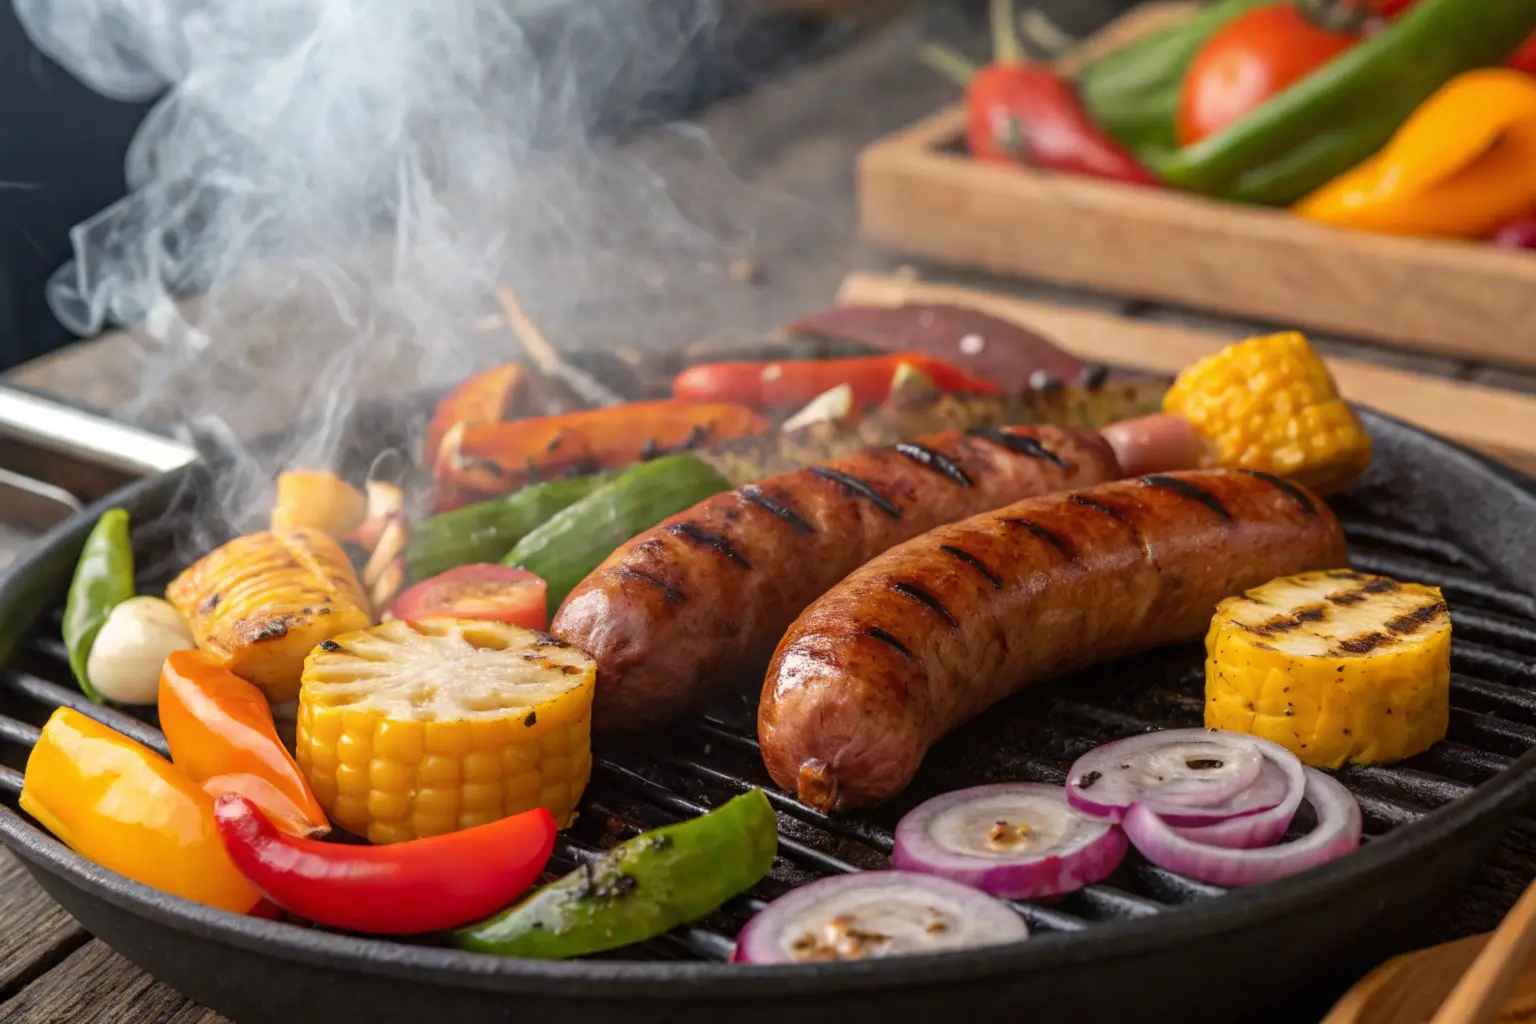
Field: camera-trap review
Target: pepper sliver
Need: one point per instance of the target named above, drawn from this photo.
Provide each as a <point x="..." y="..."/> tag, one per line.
<point x="1348" y="109"/>
<point x="125" y="807"/>
<point x="103" y="580"/>
<point x="640" y="889"/>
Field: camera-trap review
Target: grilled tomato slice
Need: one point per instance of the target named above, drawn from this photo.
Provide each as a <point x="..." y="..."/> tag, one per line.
<point x="494" y="593"/>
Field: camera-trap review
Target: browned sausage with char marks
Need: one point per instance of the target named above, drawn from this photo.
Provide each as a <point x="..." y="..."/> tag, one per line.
<point x="933" y="632"/>
<point x="690" y="610"/>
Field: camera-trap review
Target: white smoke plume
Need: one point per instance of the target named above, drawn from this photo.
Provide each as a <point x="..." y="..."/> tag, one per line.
<point x="342" y="184"/>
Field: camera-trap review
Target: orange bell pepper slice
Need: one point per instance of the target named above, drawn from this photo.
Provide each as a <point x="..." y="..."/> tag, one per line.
<point x="222" y="737"/>
<point x="125" y="807"/>
<point x="1464" y="163"/>
<point x="491" y="460"/>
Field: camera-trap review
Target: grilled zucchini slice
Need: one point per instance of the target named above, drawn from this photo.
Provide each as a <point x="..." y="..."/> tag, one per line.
<point x="1334" y="666"/>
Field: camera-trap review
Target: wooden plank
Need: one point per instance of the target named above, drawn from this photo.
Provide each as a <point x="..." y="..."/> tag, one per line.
<point x="35" y="932"/>
<point x="1499" y="423"/>
<point x="97" y="986"/>
<point x="919" y="194"/>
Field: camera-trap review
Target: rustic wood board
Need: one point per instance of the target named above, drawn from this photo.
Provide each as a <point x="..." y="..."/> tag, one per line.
<point x="1497" y="422"/>
<point x="920" y="193"/>
<point x="35" y="932"/>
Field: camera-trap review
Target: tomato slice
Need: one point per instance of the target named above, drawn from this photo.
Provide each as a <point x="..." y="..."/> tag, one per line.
<point x="499" y="593"/>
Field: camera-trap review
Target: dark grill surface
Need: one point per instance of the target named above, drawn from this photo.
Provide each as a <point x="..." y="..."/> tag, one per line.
<point x="1033" y="737"/>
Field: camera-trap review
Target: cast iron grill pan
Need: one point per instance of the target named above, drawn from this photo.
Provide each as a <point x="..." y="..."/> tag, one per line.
<point x="1147" y="945"/>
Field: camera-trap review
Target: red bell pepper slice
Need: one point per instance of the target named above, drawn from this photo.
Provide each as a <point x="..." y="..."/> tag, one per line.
<point x="498" y="593"/>
<point x="786" y="385"/>
<point x="424" y="885"/>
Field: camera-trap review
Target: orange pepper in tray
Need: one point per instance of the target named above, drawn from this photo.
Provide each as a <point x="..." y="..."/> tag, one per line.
<point x="475" y="463"/>
<point x="222" y="736"/>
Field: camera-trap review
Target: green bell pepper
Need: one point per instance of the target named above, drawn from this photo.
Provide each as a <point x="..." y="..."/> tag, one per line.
<point x="640" y="889"/>
<point x="1348" y="109"/>
<point x="103" y="580"/>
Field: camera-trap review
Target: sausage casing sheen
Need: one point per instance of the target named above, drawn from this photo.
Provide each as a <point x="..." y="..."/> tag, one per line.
<point x="691" y="610"/>
<point x="931" y="633"/>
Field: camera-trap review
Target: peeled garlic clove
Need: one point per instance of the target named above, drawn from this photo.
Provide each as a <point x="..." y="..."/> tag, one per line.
<point x="125" y="661"/>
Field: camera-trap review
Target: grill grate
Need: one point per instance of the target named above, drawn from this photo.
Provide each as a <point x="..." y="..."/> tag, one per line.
<point x="643" y="784"/>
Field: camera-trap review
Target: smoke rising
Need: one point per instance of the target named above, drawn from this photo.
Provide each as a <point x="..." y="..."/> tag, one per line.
<point x="342" y="185"/>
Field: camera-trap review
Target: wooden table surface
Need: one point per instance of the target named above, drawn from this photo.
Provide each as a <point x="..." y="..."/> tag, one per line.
<point x="792" y="145"/>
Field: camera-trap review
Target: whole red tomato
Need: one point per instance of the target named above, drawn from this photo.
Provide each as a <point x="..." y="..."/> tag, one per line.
<point x="1247" y="61"/>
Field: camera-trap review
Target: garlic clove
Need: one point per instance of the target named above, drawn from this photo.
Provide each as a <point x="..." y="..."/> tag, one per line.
<point x="125" y="661"/>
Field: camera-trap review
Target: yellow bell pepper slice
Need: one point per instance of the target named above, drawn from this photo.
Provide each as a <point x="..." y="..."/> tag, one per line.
<point x="1461" y="165"/>
<point x="125" y="807"/>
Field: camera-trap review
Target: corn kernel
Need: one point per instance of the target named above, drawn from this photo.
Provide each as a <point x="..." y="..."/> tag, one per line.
<point x="398" y="741"/>
<point x="437" y="770"/>
<point x="390" y="776"/>
<point x="482" y="766"/>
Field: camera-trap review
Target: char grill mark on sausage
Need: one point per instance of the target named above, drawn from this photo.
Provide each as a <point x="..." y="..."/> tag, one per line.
<point x="975" y="563"/>
<point x="1296" y="493"/>
<point x="1194" y="492"/>
<point x="859" y="488"/>
<point x="930" y="459"/>
<point x="668" y="591"/>
<point x="1021" y="443"/>
<point x="1048" y="535"/>
<point x="754" y="495"/>
<point x="696" y="534"/>
<point x="876" y="633"/>
<point x="925" y="599"/>
<point x="1098" y="506"/>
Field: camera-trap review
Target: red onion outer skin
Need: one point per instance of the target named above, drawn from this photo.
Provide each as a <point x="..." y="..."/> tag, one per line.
<point x="1337" y="833"/>
<point x="1022" y="879"/>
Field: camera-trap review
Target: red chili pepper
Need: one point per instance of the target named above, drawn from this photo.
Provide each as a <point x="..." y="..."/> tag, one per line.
<point x="496" y="592"/>
<point x="783" y="385"/>
<point x="1022" y="113"/>
<point x="423" y="885"/>
<point x="1517" y="234"/>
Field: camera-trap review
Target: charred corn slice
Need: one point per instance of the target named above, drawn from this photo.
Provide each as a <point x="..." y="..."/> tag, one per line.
<point x="260" y="603"/>
<point x="1334" y="666"/>
<point x="407" y="730"/>
<point x="1270" y="404"/>
<point x="317" y="500"/>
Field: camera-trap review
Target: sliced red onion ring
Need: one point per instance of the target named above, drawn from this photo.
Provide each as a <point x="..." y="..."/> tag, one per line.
<point x="876" y="914"/>
<point x="1261" y="829"/>
<point x="1018" y="840"/>
<point x="1337" y="833"/>
<point x="1185" y="776"/>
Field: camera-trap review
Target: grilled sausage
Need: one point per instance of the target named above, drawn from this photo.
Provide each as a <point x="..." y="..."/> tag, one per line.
<point x="691" y="610"/>
<point x="931" y="633"/>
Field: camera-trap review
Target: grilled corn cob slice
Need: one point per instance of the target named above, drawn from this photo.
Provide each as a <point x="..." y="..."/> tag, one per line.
<point x="1270" y="404"/>
<point x="1334" y="666"/>
<point x="260" y="603"/>
<point x="316" y="500"/>
<point x="408" y="730"/>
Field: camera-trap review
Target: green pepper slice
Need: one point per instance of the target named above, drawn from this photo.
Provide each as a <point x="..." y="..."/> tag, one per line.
<point x="640" y="889"/>
<point x="103" y="580"/>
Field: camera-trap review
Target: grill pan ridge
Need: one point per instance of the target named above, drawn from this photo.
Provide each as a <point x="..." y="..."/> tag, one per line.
<point x="1145" y="946"/>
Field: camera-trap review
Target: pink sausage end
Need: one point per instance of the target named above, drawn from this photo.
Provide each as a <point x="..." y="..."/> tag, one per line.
<point x="1160" y="443"/>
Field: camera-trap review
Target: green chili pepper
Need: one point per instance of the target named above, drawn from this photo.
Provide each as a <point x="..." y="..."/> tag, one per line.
<point x="1133" y="91"/>
<point x="103" y="580"/>
<point x="485" y="532"/>
<point x="640" y="889"/>
<point x="1348" y="109"/>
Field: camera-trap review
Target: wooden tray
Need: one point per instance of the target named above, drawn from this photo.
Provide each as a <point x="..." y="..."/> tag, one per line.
<point x="1497" y="422"/>
<point x="920" y="193"/>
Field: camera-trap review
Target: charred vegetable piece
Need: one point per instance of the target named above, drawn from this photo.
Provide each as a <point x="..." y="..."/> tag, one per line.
<point x="575" y="542"/>
<point x="407" y="731"/>
<point x="317" y="500"/>
<point x="1269" y="404"/>
<point x="496" y="459"/>
<point x="486" y="531"/>
<point x="123" y="806"/>
<point x="785" y="385"/>
<point x="421" y="886"/>
<point x="1334" y="666"/>
<point x="640" y="889"/>
<point x="483" y="399"/>
<point x="1006" y="353"/>
<point x="222" y="736"/>
<point x="386" y="534"/>
<point x="259" y="604"/>
<point x="103" y="579"/>
<point x="496" y="593"/>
